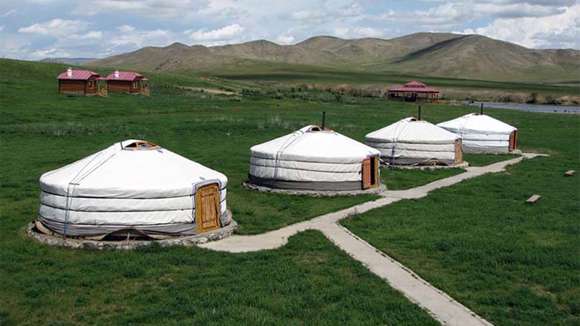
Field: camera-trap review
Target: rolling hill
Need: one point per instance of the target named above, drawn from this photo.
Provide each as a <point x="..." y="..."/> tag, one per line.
<point x="432" y="54"/>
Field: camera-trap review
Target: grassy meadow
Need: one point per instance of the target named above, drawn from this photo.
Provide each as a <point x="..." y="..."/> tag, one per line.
<point x="309" y="280"/>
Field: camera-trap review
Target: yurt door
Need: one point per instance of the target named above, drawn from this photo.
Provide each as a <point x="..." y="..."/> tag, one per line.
<point x="458" y="151"/>
<point x="513" y="141"/>
<point x="370" y="172"/>
<point x="207" y="207"/>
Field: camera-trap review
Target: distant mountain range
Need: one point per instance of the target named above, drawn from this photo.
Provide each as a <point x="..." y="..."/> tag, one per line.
<point x="69" y="61"/>
<point x="433" y="54"/>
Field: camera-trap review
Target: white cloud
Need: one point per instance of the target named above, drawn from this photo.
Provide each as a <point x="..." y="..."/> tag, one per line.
<point x="8" y="13"/>
<point x="150" y="8"/>
<point x="285" y="39"/>
<point x="444" y="16"/>
<point x="137" y="39"/>
<point x="125" y="28"/>
<point x="221" y="34"/>
<point x="1" y="28"/>
<point x="357" y="32"/>
<point x="516" y="10"/>
<point x="561" y="30"/>
<point x="56" y="27"/>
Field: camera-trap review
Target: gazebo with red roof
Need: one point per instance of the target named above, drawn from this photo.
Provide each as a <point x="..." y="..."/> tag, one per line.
<point x="80" y="82"/>
<point x="413" y="91"/>
<point x="127" y="82"/>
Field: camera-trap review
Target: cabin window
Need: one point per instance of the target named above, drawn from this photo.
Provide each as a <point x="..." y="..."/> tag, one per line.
<point x="134" y="84"/>
<point x="91" y="83"/>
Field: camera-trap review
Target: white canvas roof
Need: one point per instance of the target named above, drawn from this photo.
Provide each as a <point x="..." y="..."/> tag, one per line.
<point x="310" y="158"/>
<point x="314" y="145"/>
<point x="411" y="130"/>
<point x="126" y="173"/>
<point x="477" y="123"/>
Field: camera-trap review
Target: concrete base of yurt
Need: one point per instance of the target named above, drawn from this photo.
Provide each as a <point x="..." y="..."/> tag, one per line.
<point x="36" y="231"/>
<point x="315" y="193"/>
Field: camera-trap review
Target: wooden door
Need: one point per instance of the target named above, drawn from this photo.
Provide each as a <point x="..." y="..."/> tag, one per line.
<point x="366" y="173"/>
<point x="513" y="141"/>
<point x="458" y="152"/>
<point x="370" y="172"/>
<point x="207" y="208"/>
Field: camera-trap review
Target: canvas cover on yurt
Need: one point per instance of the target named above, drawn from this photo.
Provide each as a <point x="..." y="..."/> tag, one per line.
<point x="133" y="186"/>
<point x="481" y="133"/>
<point x="415" y="142"/>
<point x="314" y="159"/>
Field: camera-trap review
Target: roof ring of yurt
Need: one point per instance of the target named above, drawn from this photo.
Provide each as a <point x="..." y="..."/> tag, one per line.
<point x="130" y="194"/>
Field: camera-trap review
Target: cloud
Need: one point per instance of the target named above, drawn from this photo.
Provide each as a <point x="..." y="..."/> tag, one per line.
<point x="358" y="32"/>
<point x="285" y="39"/>
<point x="8" y="13"/>
<point x="56" y="27"/>
<point x="137" y="39"/>
<point x="165" y="9"/>
<point x="516" y="10"/>
<point x="125" y="28"/>
<point x="221" y="34"/>
<point x="561" y="30"/>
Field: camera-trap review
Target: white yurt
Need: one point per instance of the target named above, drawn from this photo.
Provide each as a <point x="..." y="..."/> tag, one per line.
<point x="416" y="142"/>
<point x="133" y="189"/>
<point x="314" y="159"/>
<point x="483" y="134"/>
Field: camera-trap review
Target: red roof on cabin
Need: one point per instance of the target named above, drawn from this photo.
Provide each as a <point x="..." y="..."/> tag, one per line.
<point x="413" y="86"/>
<point x="125" y="75"/>
<point x="77" y="75"/>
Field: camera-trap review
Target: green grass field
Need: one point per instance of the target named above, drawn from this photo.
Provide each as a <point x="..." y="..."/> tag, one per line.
<point x="511" y="262"/>
<point x="308" y="281"/>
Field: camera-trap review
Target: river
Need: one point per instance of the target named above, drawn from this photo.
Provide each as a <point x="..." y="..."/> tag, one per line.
<point x="528" y="107"/>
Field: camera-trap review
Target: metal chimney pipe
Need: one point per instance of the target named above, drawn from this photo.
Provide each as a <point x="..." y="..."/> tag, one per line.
<point x="419" y="112"/>
<point x="323" y="120"/>
<point x="481" y="108"/>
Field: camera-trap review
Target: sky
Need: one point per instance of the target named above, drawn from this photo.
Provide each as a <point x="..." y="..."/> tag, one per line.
<point x="36" y="29"/>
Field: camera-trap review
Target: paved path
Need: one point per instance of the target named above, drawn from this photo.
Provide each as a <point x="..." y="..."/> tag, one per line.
<point x="436" y="302"/>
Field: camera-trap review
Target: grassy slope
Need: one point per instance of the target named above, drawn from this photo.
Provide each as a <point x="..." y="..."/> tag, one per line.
<point x="516" y="264"/>
<point x="298" y="74"/>
<point x="307" y="281"/>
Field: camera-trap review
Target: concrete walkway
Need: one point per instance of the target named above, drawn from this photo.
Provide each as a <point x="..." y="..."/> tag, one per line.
<point x="436" y="302"/>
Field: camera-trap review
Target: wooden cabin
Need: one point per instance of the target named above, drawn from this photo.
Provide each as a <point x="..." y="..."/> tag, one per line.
<point x="127" y="82"/>
<point x="413" y="91"/>
<point x="81" y="83"/>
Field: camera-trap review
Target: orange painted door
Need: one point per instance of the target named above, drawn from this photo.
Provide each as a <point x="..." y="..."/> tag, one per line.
<point x="513" y="141"/>
<point x="207" y="208"/>
<point x="367" y="174"/>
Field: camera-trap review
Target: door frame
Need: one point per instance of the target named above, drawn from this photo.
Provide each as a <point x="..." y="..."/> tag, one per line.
<point x="372" y="173"/>
<point x="197" y="218"/>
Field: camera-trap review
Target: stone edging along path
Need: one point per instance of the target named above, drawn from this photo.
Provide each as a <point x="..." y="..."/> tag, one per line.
<point x="437" y="303"/>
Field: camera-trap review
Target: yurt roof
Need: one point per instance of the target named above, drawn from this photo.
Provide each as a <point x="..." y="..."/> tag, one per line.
<point x="313" y="144"/>
<point x="411" y="130"/>
<point x="129" y="169"/>
<point x="478" y="123"/>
